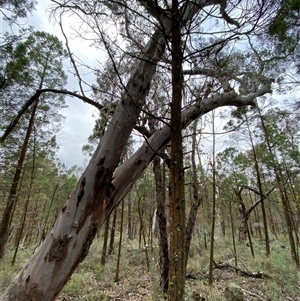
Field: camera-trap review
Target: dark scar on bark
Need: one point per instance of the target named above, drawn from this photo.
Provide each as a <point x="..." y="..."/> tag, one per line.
<point x="56" y="251"/>
<point x="81" y="190"/>
<point x="89" y="240"/>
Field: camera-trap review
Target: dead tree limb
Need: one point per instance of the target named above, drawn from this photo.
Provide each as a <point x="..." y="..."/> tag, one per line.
<point x="222" y="266"/>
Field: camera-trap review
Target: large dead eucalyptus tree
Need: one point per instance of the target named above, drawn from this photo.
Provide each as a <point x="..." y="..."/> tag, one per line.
<point x="214" y="74"/>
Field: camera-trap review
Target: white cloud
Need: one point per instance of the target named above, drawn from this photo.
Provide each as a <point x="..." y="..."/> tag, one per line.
<point x="79" y="116"/>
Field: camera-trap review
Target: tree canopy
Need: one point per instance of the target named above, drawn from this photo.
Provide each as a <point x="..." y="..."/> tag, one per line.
<point x="168" y="64"/>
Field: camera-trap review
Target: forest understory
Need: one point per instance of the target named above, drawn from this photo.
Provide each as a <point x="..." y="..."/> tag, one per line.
<point x="190" y="176"/>
<point x="273" y="278"/>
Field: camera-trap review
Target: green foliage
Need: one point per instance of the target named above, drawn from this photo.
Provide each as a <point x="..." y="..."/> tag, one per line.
<point x="287" y="17"/>
<point x="33" y="61"/>
<point x="13" y="9"/>
<point x="284" y="29"/>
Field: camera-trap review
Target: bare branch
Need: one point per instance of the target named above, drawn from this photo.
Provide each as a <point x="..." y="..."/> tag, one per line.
<point x="264" y="196"/>
<point x="144" y="155"/>
<point x="71" y="58"/>
<point x="37" y="94"/>
<point x="225" y="16"/>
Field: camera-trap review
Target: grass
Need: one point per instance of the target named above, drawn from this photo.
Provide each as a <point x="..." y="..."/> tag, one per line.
<point x="92" y="281"/>
<point x="9" y="271"/>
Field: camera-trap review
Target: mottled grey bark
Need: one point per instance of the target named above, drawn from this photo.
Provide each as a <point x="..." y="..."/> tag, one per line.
<point x="98" y="190"/>
<point x="94" y="198"/>
<point x="102" y="186"/>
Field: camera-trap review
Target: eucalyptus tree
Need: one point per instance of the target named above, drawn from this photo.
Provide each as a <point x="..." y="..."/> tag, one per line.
<point x="273" y="148"/>
<point x="142" y="33"/>
<point x="281" y="140"/>
<point x="251" y="135"/>
<point x="45" y="185"/>
<point x="43" y="54"/>
<point x="13" y="9"/>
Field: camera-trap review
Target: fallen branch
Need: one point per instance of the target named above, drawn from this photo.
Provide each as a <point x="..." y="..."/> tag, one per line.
<point x="254" y="295"/>
<point x="258" y="274"/>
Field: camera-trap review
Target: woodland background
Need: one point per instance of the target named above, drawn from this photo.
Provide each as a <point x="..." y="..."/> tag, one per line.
<point x="241" y="164"/>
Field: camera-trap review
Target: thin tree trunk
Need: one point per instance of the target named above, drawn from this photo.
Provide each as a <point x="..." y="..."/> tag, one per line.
<point x="45" y="227"/>
<point x="288" y="219"/>
<point x="162" y="225"/>
<point x="105" y="240"/>
<point x="14" y="187"/>
<point x="120" y="244"/>
<point x="33" y="231"/>
<point x="142" y="234"/>
<point x="295" y="200"/>
<point x="177" y="254"/>
<point x="244" y="215"/>
<point x="23" y="219"/>
<point x="213" y="220"/>
<point x="233" y="233"/>
<point x="20" y="185"/>
<point x="259" y="184"/>
<point x="112" y="233"/>
<point x="129" y="220"/>
<point x="273" y="227"/>
<point x="283" y="195"/>
<point x="196" y="198"/>
<point x="257" y="221"/>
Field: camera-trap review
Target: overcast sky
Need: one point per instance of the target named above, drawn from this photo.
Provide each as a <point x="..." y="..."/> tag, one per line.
<point x="79" y="116"/>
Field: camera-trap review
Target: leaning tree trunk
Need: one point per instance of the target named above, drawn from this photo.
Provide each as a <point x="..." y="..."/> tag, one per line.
<point x="23" y="219"/>
<point x="91" y="202"/>
<point x="101" y="187"/>
<point x="68" y="242"/>
<point x="87" y="207"/>
<point x="94" y="198"/>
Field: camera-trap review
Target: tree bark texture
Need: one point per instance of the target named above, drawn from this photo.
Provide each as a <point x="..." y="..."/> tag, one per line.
<point x="68" y="242"/>
<point x="162" y="225"/>
<point x="101" y="187"/>
<point x="87" y="208"/>
<point x="177" y="249"/>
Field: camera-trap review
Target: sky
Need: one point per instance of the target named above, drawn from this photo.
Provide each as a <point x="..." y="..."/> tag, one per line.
<point x="80" y="116"/>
